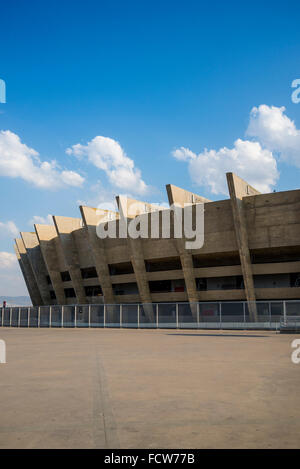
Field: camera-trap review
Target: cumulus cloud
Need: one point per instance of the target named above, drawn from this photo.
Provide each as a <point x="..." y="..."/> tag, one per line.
<point x="11" y="279"/>
<point x="9" y="228"/>
<point x="108" y="155"/>
<point x="276" y="131"/>
<point x="17" y="160"/>
<point x="248" y="159"/>
<point x="272" y="136"/>
<point x="36" y="219"/>
<point x="8" y="260"/>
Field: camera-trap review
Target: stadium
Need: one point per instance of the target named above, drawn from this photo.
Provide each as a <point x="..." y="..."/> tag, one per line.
<point x="249" y="259"/>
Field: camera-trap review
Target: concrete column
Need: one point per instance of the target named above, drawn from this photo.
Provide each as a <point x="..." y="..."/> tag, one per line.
<point x="37" y="263"/>
<point x="238" y="188"/>
<point x="65" y="226"/>
<point x="138" y="263"/>
<point x="47" y="237"/>
<point x="186" y="260"/>
<point x="28" y="274"/>
<point x="129" y="209"/>
<point x="91" y="218"/>
<point x="182" y="198"/>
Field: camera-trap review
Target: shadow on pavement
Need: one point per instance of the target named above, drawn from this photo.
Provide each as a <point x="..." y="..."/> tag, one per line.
<point x="221" y="335"/>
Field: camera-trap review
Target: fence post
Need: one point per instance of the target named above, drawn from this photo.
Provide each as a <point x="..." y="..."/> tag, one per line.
<point x="138" y="316"/>
<point x="156" y="315"/>
<point x="2" y="316"/>
<point x="75" y="319"/>
<point x="270" y="314"/>
<point x="177" y="324"/>
<point x="19" y="317"/>
<point x="121" y="316"/>
<point x="39" y="317"/>
<point x="50" y="316"/>
<point x="89" y="315"/>
<point x="28" y="317"/>
<point x="10" y="316"/>
<point x="104" y="316"/>
<point x="244" y="313"/>
<point x="284" y="312"/>
<point x="198" y="315"/>
<point x="62" y="316"/>
<point x="220" y="312"/>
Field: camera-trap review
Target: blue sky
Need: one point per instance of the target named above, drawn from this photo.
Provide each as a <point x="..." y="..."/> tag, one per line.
<point x="159" y="78"/>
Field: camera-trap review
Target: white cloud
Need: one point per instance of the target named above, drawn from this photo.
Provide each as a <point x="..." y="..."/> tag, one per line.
<point x="275" y="137"/>
<point x="276" y="132"/>
<point x="8" y="260"/>
<point x="248" y="159"/>
<point x="17" y="160"/>
<point x="184" y="154"/>
<point x="11" y="278"/>
<point x="108" y="155"/>
<point x="36" y="219"/>
<point x="9" y="228"/>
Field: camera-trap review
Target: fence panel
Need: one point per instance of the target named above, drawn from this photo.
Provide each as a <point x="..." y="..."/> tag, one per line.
<point x="232" y="315"/>
<point x="69" y="316"/>
<point x="263" y="311"/>
<point x="112" y="316"/>
<point x="96" y="315"/>
<point x="130" y="316"/>
<point x="44" y="316"/>
<point x="147" y="316"/>
<point x="166" y="315"/>
<point x="276" y="312"/>
<point x="24" y="317"/>
<point x="292" y="308"/>
<point x="82" y="316"/>
<point x="14" y="317"/>
<point x="56" y="316"/>
<point x="6" y="317"/>
<point x="188" y="315"/>
<point x="249" y="323"/>
<point x="33" y="320"/>
<point x="209" y="315"/>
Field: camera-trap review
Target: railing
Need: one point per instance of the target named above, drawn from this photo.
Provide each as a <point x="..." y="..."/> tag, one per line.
<point x="208" y="315"/>
<point x="290" y="323"/>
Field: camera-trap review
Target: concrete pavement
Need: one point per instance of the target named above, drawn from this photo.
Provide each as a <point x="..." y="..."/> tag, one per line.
<point x="148" y="389"/>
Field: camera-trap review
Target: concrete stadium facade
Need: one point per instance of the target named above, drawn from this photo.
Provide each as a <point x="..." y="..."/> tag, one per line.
<point x="251" y="252"/>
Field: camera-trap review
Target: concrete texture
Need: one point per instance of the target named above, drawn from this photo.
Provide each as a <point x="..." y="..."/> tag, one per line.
<point x="238" y="188"/>
<point x="148" y="389"/>
<point x="39" y="269"/>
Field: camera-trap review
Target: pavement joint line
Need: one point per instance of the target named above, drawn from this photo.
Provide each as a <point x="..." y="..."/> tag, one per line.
<point x="102" y="410"/>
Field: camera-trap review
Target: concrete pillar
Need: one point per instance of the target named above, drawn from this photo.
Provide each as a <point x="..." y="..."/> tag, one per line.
<point x="181" y="198"/>
<point x="129" y="209"/>
<point x="37" y="263"/>
<point x="238" y="188"/>
<point x="28" y="274"/>
<point x="91" y="218"/>
<point x="47" y="237"/>
<point x="65" y="227"/>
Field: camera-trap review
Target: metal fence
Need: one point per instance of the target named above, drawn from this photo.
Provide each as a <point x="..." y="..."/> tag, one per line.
<point x="212" y="315"/>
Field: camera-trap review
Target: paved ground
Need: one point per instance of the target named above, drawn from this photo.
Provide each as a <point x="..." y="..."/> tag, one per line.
<point x="148" y="389"/>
